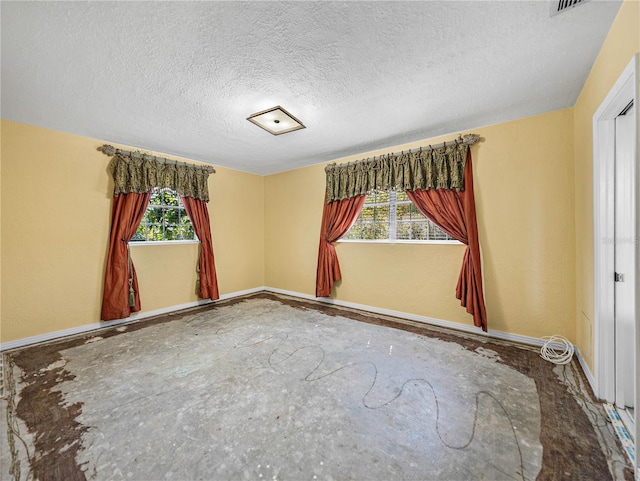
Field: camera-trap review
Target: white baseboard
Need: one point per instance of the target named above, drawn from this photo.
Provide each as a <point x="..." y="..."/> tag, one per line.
<point x="231" y="295"/>
<point x="415" y="317"/>
<point x="532" y="341"/>
<point x="506" y="336"/>
<point x="585" y="369"/>
<point x="136" y="316"/>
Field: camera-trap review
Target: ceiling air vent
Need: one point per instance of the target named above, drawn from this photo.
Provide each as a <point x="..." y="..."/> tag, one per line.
<point x="559" y="6"/>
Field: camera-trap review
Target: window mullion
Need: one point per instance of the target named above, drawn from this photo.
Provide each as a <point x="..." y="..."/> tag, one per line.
<point x="393" y="215"/>
<point x="375" y="215"/>
<point x="179" y="225"/>
<point x="381" y="211"/>
<point x="164" y="235"/>
<point x="162" y="218"/>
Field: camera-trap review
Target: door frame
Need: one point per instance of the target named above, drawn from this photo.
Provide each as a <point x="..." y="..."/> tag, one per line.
<point x="625" y="88"/>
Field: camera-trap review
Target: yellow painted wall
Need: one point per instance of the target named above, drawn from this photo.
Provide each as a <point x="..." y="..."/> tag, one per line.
<point x="524" y="193"/>
<point x="533" y="192"/>
<point x="0" y="234"/>
<point x="237" y="225"/>
<point x="621" y="44"/>
<point x="56" y="206"/>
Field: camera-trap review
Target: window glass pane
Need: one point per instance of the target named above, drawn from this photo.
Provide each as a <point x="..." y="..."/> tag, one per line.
<point x="381" y="231"/>
<point x="154" y="232"/>
<point x="153" y="215"/>
<point x="171" y="232"/>
<point x="401" y="195"/>
<point x="141" y="233"/>
<point x="186" y="233"/>
<point x="165" y="219"/>
<point x="403" y="212"/>
<point x="367" y="214"/>
<point x="382" y="213"/>
<point x="354" y="232"/>
<point x="155" y="199"/>
<point x="367" y="231"/>
<point x="416" y="214"/>
<point x="392" y="213"/>
<point x="435" y="233"/>
<point x="171" y="216"/>
<point x="170" y="197"/>
<point x="419" y="230"/>
<point x="404" y="230"/>
<point x="380" y="197"/>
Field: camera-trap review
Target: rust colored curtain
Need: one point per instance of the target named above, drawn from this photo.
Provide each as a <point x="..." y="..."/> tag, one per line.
<point x="337" y="218"/>
<point x="121" y="297"/>
<point x="207" y="284"/>
<point x="455" y="213"/>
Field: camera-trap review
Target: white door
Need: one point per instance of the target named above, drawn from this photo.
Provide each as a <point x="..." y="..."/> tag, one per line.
<point x="624" y="287"/>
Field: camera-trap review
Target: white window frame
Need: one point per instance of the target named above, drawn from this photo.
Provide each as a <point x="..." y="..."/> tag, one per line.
<point x="393" y="226"/>
<point x="165" y="241"/>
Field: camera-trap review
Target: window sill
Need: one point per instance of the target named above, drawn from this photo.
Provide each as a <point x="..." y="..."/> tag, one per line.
<point x="162" y="243"/>
<point x="440" y="242"/>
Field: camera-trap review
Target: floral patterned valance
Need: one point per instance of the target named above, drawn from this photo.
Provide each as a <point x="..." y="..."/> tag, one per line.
<point x="431" y="168"/>
<point x="140" y="173"/>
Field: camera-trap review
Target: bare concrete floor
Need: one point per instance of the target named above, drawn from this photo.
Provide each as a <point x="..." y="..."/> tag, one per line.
<point x="274" y="389"/>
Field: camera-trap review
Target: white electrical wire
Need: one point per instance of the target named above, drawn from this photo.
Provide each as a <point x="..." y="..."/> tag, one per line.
<point x="556" y="349"/>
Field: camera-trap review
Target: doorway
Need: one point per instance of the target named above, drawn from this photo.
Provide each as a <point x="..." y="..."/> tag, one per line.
<point x="624" y="276"/>
<point x="616" y="250"/>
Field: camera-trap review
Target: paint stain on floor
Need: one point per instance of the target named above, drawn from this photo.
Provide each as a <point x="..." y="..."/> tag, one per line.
<point x="96" y="408"/>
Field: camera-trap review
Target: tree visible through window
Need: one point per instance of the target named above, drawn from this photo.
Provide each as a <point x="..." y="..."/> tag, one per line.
<point x="165" y="219"/>
<point x="390" y="215"/>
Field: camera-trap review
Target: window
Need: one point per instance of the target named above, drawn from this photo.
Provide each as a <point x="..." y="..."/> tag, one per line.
<point x="390" y="215"/>
<point x="165" y="219"/>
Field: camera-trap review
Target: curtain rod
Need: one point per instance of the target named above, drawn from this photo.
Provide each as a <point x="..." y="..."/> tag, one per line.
<point x="111" y="150"/>
<point x="468" y="139"/>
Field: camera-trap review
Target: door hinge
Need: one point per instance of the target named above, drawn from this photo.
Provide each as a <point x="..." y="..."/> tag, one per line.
<point x="618" y="277"/>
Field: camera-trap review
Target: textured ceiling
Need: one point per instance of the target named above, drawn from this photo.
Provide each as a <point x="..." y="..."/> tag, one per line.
<point x="181" y="77"/>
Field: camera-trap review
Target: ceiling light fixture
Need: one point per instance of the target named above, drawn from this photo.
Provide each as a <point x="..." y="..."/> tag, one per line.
<point x="276" y="121"/>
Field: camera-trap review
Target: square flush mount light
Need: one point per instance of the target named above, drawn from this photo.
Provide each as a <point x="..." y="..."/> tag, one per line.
<point x="276" y="120"/>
